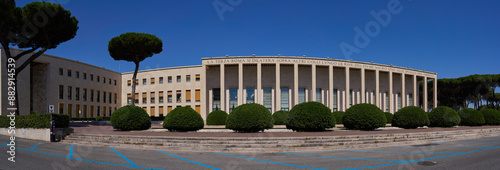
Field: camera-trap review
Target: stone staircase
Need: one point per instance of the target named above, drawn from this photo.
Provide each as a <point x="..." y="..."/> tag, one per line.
<point x="275" y="144"/>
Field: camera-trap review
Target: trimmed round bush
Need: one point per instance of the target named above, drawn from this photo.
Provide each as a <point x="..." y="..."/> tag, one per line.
<point x="310" y="116"/>
<point x="364" y="117"/>
<point x="217" y="117"/>
<point x="410" y="117"/>
<point x="279" y="117"/>
<point x="183" y="119"/>
<point x="130" y="117"/>
<point x="471" y="117"/>
<point x="388" y="117"/>
<point x="443" y="116"/>
<point x="491" y="116"/>
<point x="338" y="116"/>
<point x="250" y="117"/>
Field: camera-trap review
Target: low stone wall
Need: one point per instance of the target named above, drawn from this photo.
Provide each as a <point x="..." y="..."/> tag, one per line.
<point x="29" y="133"/>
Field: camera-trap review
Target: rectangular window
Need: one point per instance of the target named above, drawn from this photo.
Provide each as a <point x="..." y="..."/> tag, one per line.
<point x="160" y="97"/>
<point x="91" y="77"/>
<point x="387" y="101"/>
<point x="109" y="97"/>
<point x="188" y="95"/>
<point x="98" y="110"/>
<point x="109" y="82"/>
<point x="197" y="108"/>
<point x="250" y="95"/>
<point x="152" y="112"/>
<point x="61" y="92"/>
<point x="285" y="96"/>
<point x="152" y="96"/>
<point x="98" y="79"/>
<point x="69" y="73"/>
<point x="152" y="80"/>
<point x="169" y="96"/>
<point x="268" y="102"/>
<point x="85" y="76"/>
<point x="216" y="99"/>
<point x="410" y="99"/>
<point x="77" y="93"/>
<point x="104" y="110"/>
<point x="129" y="82"/>
<point x="160" y="111"/>
<point x="302" y="95"/>
<point x="85" y="111"/>
<point x="61" y="108"/>
<point x="104" y="81"/>
<point x="115" y="97"/>
<point x="77" y="110"/>
<point x="109" y="111"/>
<point x="104" y="97"/>
<point x="169" y="79"/>
<point x="233" y="99"/>
<point x="161" y="80"/>
<point x="399" y="101"/>
<point x="144" y="98"/>
<point x="84" y="94"/>
<point x="91" y="95"/>
<point x="350" y="98"/>
<point x="188" y="78"/>
<point x="136" y="98"/>
<point x="115" y="82"/>
<point x="61" y="71"/>
<point x="136" y="82"/>
<point x="69" y="92"/>
<point x="169" y="108"/>
<point x="77" y="74"/>
<point x="373" y="98"/>
<point x="318" y="95"/>
<point x="335" y="101"/>
<point x="197" y="77"/>
<point x="178" y="96"/>
<point x="197" y="95"/>
<point x="98" y="96"/>
<point x="91" y="111"/>
<point x="129" y="98"/>
<point x="70" y="110"/>
<point x="178" y="79"/>
<point x="144" y="82"/>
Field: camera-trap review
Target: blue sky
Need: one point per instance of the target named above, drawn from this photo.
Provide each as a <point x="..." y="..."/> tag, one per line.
<point x="451" y="37"/>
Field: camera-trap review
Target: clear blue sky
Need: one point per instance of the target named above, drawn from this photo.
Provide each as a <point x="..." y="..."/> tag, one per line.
<point x="451" y="37"/>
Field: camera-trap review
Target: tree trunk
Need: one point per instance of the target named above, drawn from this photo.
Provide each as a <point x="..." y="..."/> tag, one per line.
<point x="133" y="82"/>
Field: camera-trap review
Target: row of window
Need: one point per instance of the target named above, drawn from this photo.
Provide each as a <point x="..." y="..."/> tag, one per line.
<point x="152" y="110"/>
<point x="152" y="97"/>
<point x="85" y="111"/>
<point x="98" y="93"/>
<point x="169" y="80"/>
<point x="84" y="76"/>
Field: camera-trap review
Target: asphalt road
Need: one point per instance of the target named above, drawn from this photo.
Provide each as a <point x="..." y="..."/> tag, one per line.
<point x="477" y="154"/>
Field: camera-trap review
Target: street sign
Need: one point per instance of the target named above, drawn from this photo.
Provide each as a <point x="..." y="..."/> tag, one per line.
<point x="51" y="108"/>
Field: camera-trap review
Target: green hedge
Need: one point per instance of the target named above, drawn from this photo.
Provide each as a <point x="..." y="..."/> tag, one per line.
<point x="491" y="116"/>
<point x="250" y="117"/>
<point x="443" y="116"/>
<point x="471" y="117"/>
<point x="388" y="117"/>
<point x="279" y="117"/>
<point x="310" y="116"/>
<point x="217" y="117"/>
<point x="130" y="117"/>
<point x="410" y="117"/>
<point x="183" y="119"/>
<point x="104" y="118"/>
<point x="364" y="117"/>
<point x="35" y="121"/>
<point x="338" y="116"/>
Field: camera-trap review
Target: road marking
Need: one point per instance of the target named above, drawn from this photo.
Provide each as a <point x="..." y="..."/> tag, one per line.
<point x="126" y="159"/>
<point x="426" y="159"/>
<point x="70" y="155"/>
<point x="188" y="160"/>
<point x="279" y="163"/>
<point x="35" y="146"/>
<point x="399" y="151"/>
<point x="5" y="144"/>
<point x="364" y="159"/>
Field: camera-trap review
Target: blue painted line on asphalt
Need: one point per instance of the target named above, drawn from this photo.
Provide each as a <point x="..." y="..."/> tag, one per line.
<point x="35" y="146"/>
<point x="126" y="159"/>
<point x="400" y="152"/>
<point x="70" y="155"/>
<point x="426" y="159"/>
<point x="279" y="163"/>
<point x="86" y="160"/>
<point x="5" y="144"/>
<point x="364" y="159"/>
<point x="188" y="160"/>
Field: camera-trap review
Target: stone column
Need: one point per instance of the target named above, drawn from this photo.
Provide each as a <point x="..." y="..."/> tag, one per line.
<point x="330" y="87"/>
<point x="391" y="95"/>
<point x="259" y="84"/>
<point x="203" y="91"/>
<point x="347" y="89"/>
<point x="403" y="90"/>
<point x="313" y="83"/>
<point x="426" y="108"/>
<point x="278" y="87"/>
<point x="222" y="89"/>
<point x="415" y="87"/>
<point x="377" y="90"/>
<point x="363" y="93"/>
<point x="435" y="92"/>
<point x="295" y="84"/>
<point x="240" y="84"/>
